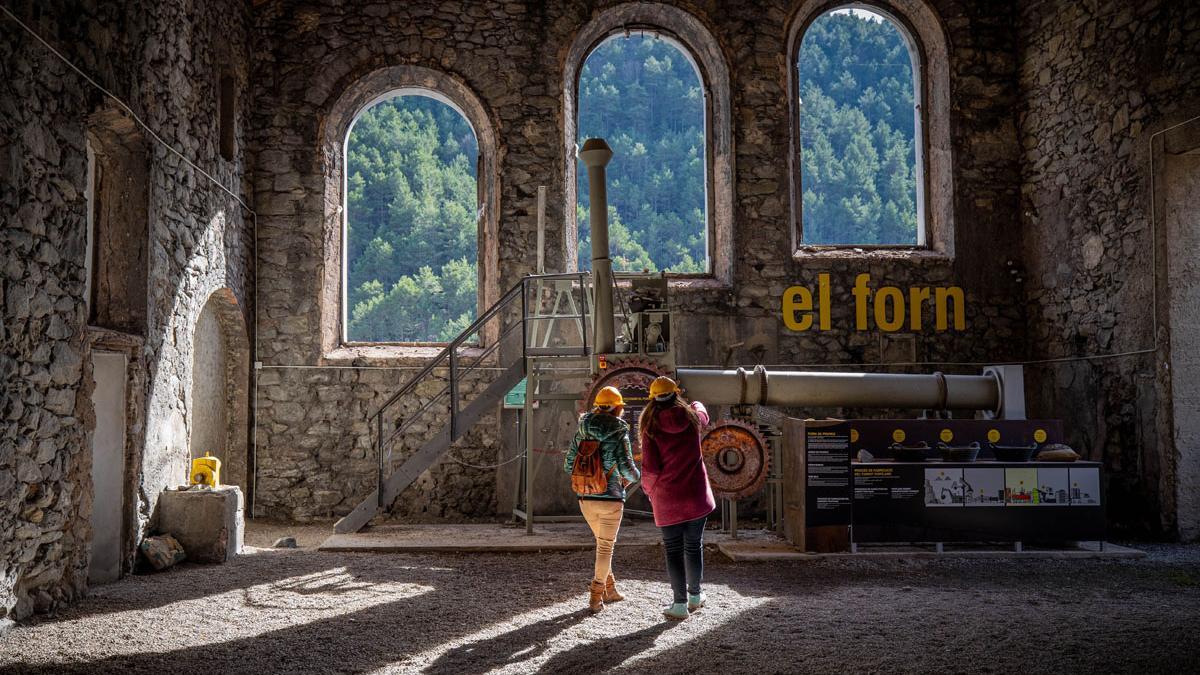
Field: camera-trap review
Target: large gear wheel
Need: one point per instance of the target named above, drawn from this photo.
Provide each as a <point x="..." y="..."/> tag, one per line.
<point x="737" y="458"/>
<point x="631" y="377"/>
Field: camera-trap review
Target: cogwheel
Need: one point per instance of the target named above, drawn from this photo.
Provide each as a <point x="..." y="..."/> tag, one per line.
<point x="631" y="377"/>
<point x="737" y="458"/>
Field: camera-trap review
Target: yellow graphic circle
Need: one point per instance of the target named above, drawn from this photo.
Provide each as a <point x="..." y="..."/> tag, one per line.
<point x="854" y="435"/>
<point x="898" y="435"/>
<point x="994" y="435"/>
<point x="1039" y="435"/>
<point x="946" y="435"/>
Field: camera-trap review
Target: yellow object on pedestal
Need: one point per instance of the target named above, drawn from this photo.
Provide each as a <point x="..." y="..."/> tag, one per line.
<point x="206" y="470"/>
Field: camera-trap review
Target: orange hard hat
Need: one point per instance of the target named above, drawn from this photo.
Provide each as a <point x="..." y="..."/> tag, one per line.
<point x="609" y="397"/>
<point x="662" y="387"/>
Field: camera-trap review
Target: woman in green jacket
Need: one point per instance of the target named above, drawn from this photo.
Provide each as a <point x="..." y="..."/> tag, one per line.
<point x="603" y="510"/>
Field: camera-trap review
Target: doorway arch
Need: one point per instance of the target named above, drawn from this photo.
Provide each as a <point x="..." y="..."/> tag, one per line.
<point x="219" y="394"/>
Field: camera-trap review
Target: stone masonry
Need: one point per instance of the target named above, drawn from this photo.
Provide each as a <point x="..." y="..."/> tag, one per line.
<point x="1052" y="106"/>
<point x="314" y="456"/>
<point x="162" y="59"/>
<point x="1098" y="78"/>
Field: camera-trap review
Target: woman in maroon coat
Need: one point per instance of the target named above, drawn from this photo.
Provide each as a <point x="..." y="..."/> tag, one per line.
<point x="675" y="480"/>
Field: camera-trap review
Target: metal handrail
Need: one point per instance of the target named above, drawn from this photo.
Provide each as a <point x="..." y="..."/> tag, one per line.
<point x="449" y="353"/>
<point x="446" y="351"/>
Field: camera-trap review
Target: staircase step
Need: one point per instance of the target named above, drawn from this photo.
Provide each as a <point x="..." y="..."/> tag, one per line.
<point x="432" y="450"/>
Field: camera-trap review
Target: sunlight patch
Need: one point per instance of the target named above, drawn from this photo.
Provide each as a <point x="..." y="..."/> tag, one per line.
<point x="242" y="612"/>
<point x="564" y="636"/>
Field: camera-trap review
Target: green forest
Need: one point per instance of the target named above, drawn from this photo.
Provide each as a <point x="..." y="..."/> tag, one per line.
<point x="412" y="219"/>
<point x="643" y="95"/>
<point x="857" y="160"/>
<point x="412" y="229"/>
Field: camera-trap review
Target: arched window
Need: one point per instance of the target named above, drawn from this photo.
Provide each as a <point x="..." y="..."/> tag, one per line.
<point x="643" y="93"/>
<point x="391" y="142"/>
<point x="859" y="132"/>
<point x="871" y="97"/>
<point x="412" y="220"/>
<point x="652" y="81"/>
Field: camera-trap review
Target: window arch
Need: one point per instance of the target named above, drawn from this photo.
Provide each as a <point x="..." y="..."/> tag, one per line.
<point x="448" y="149"/>
<point x="651" y="40"/>
<point x="411" y="213"/>
<point x="871" y="161"/>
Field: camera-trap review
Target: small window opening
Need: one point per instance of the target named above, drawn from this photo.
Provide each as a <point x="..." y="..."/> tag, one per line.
<point x="118" y="224"/>
<point x="227" y="105"/>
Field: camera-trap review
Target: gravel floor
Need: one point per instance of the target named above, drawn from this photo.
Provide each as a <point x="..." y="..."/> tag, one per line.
<point x="307" y="611"/>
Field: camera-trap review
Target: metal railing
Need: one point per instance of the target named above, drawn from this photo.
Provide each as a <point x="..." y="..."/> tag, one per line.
<point x="461" y="365"/>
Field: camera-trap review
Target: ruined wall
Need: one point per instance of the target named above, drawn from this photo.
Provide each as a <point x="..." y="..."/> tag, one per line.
<point x="314" y="455"/>
<point x="162" y="59"/>
<point x="1098" y="79"/>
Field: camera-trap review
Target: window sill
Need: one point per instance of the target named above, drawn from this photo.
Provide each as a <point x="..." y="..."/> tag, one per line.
<point x="681" y="282"/>
<point x="394" y="355"/>
<point x="704" y="283"/>
<point x="869" y="253"/>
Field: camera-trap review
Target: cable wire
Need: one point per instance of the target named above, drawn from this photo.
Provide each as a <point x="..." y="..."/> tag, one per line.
<point x="484" y="467"/>
<point x="126" y="108"/>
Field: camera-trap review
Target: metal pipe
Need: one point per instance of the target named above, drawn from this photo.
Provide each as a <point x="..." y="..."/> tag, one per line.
<point x="595" y="154"/>
<point x="841" y="390"/>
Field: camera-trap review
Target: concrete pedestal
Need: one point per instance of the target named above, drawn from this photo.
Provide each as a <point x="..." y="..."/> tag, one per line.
<point x="208" y="523"/>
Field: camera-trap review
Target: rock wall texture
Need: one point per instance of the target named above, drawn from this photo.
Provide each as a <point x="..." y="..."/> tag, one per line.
<point x="1052" y="108"/>
<point x="163" y="59"/>
<point x="314" y="459"/>
<point x="1098" y="79"/>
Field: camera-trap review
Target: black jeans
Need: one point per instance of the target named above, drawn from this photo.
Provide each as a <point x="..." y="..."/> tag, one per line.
<point x="685" y="556"/>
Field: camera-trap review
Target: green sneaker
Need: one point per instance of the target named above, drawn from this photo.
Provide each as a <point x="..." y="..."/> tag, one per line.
<point x="676" y="612"/>
<point x="696" y="601"/>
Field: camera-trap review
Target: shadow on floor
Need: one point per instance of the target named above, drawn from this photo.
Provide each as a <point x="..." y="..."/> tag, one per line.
<point x="604" y="654"/>
<point x="512" y="647"/>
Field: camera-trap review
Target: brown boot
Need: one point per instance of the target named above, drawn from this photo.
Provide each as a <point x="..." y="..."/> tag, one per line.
<point x="610" y="590"/>
<point x="596" y="596"/>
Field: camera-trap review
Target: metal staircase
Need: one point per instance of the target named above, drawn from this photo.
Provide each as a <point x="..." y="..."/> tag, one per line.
<point x="475" y="371"/>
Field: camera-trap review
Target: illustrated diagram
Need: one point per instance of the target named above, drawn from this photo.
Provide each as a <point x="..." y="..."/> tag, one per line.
<point x="1085" y="486"/>
<point x="1052" y="486"/>
<point x="944" y="487"/>
<point x="1020" y="487"/>
<point x="983" y="487"/>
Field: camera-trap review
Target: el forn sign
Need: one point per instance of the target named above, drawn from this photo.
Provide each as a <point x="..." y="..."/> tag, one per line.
<point x="889" y="306"/>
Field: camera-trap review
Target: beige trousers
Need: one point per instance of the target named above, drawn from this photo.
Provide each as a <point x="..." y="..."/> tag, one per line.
<point x="604" y="517"/>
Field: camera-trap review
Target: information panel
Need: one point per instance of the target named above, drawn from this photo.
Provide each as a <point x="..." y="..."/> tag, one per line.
<point x="976" y="501"/>
<point x="827" y="475"/>
<point x="885" y="500"/>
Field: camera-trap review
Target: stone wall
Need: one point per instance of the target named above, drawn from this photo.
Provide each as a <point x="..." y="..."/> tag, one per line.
<point x="162" y="58"/>
<point x="314" y="456"/>
<point x="1098" y="78"/>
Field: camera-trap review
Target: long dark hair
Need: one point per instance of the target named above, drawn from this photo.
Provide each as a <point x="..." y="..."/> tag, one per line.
<point x="648" y="422"/>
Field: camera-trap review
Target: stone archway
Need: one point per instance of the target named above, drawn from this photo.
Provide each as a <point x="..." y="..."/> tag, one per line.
<point x="339" y="117"/>
<point x="698" y="44"/>
<point x="219" y="398"/>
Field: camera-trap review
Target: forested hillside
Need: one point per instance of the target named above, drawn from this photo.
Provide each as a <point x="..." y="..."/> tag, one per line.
<point x="411" y="162"/>
<point x="858" y="166"/>
<point x="643" y="96"/>
<point x="412" y="235"/>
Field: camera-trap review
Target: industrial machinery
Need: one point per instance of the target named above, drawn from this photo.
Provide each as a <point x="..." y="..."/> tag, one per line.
<point x="583" y="331"/>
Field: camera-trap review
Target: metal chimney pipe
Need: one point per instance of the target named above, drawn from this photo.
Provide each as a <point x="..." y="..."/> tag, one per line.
<point x="595" y="154"/>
